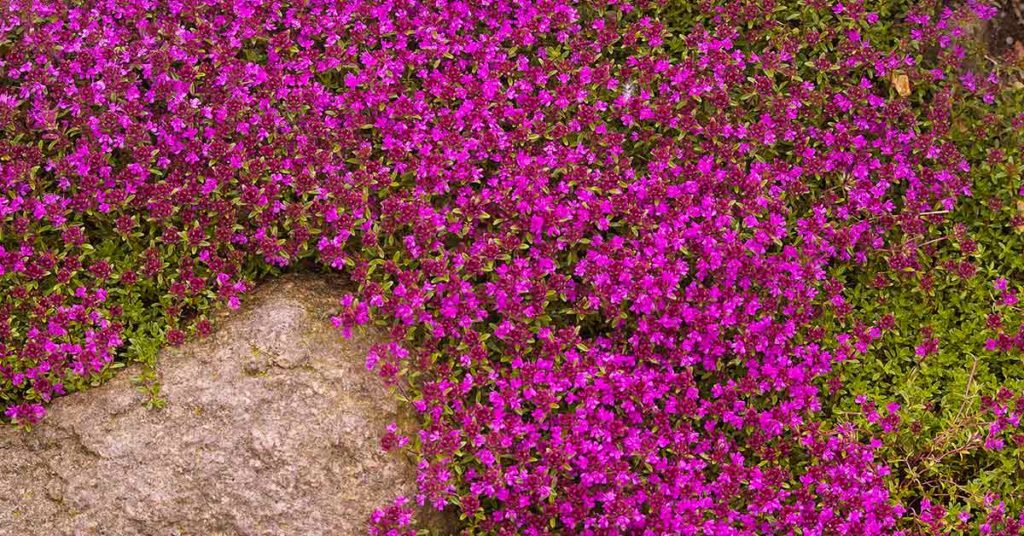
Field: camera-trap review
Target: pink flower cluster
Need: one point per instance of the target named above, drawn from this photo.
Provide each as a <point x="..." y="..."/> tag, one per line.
<point x="601" y="245"/>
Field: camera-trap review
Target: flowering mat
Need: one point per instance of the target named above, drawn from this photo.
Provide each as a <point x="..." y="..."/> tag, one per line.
<point x="648" y="267"/>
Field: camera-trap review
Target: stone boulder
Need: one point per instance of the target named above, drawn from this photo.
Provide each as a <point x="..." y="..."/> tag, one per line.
<point x="271" y="427"/>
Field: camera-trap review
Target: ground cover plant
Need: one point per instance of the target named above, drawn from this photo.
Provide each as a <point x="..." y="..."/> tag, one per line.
<point x="713" y="267"/>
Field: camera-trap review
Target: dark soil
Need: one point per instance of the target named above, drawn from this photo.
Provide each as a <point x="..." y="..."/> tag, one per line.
<point x="1005" y="33"/>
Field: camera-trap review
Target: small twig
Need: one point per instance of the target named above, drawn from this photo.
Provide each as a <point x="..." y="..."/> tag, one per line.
<point x="955" y="423"/>
<point x="967" y="390"/>
<point x="971" y="442"/>
<point x="939" y="239"/>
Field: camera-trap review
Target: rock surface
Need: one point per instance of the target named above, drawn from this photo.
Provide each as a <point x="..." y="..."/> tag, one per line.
<point x="271" y="427"/>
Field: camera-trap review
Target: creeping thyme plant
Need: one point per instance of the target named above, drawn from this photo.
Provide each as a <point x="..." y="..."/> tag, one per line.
<point x="645" y="266"/>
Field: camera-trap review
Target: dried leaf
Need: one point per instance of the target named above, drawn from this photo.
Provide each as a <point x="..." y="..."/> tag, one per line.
<point x="1020" y="212"/>
<point x="902" y="83"/>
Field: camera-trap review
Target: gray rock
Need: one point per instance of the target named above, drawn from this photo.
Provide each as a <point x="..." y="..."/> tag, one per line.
<point x="271" y="427"/>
